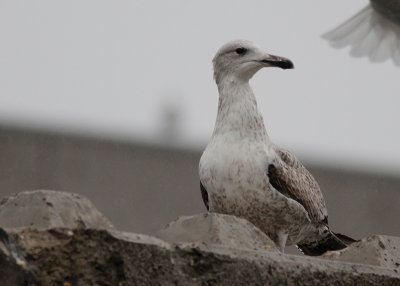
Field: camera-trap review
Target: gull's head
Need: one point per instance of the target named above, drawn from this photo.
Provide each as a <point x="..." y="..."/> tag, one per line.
<point x="242" y="59"/>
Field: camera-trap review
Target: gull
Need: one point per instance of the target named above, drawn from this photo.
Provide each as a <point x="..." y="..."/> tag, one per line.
<point x="243" y="173"/>
<point x="374" y="32"/>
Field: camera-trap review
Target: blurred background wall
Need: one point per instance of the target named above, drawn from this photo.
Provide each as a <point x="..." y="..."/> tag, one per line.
<point x="115" y="100"/>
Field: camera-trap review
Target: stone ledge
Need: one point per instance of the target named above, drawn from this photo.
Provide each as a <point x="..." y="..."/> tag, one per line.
<point x="379" y="250"/>
<point x="217" y="230"/>
<point x="100" y="257"/>
<point x="50" y="209"/>
<point x="224" y="250"/>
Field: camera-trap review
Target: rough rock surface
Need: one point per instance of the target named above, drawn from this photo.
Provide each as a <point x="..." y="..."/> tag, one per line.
<point x="50" y="209"/>
<point x="379" y="250"/>
<point x="14" y="270"/>
<point x="76" y="255"/>
<point x="99" y="257"/>
<point x="214" y="229"/>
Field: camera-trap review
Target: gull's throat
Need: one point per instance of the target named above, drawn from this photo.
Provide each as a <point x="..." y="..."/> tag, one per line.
<point x="238" y="112"/>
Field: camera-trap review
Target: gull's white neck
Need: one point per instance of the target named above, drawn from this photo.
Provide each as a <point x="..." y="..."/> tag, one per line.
<point x="237" y="111"/>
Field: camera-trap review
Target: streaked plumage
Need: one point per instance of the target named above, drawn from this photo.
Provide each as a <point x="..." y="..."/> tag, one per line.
<point x="243" y="173"/>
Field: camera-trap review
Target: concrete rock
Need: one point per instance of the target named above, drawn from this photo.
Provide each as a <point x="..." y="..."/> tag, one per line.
<point x="61" y="239"/>
<point x="216" y="230"/>
<point x="100" y="257"/>
<point x="14" y="269"/>
<point x="379" y="250"/>
<point x="50" y="209"/>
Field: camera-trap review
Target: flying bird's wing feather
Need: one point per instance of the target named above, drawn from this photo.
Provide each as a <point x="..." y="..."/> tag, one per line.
<point x="390" y="9"/>
<point x="374" y="32"/>
<point x="292" y="179"/>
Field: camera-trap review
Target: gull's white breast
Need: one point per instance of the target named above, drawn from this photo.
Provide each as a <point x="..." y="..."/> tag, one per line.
<point x="231" y="169"/>
<point x="235" y="175"/>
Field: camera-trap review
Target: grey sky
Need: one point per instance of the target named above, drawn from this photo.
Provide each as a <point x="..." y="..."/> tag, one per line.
<point x="109" y="67"/>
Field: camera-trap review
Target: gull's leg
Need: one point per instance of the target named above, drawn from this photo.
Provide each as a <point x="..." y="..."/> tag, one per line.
<point x="282" y="237"/>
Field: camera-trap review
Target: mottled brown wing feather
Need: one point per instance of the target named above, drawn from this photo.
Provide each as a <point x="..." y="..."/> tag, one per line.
<point x="292" y="179"/>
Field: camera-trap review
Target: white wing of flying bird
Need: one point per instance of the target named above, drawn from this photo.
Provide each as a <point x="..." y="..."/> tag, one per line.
<point x="243" y="173"/>
<point x="374" y="32"/>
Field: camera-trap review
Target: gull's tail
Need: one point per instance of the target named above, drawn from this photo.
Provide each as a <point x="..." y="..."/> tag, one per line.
<point x="333" y="241"/>
<point x="370" y="35"/>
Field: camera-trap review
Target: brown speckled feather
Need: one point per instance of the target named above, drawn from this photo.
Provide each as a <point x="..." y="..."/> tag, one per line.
<point x="292" y="179"/>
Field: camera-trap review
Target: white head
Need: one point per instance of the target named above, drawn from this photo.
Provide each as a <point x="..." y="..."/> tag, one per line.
<point x="242" y="59"/>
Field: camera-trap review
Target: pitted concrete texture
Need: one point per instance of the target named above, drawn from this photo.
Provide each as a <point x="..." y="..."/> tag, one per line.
<point x="100" y="257"/>
<point x="50" y="209"/>
<point x="14" y="269"/>
<point x="217" y="230"/>
<point x="213" y="249"/>
<point x="379" y="250"/>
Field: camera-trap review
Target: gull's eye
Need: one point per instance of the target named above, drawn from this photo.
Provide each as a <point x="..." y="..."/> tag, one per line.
<point x="241" y="51"/>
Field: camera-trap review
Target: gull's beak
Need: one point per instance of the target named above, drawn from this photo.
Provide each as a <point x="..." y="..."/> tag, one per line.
<point x="275" y="61"/>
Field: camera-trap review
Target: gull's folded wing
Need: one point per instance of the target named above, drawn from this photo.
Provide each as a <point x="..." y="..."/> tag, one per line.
<point x="293" y="180"/>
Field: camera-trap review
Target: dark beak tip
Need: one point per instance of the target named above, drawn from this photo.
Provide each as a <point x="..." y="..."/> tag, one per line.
<point x="286" y="64"/>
